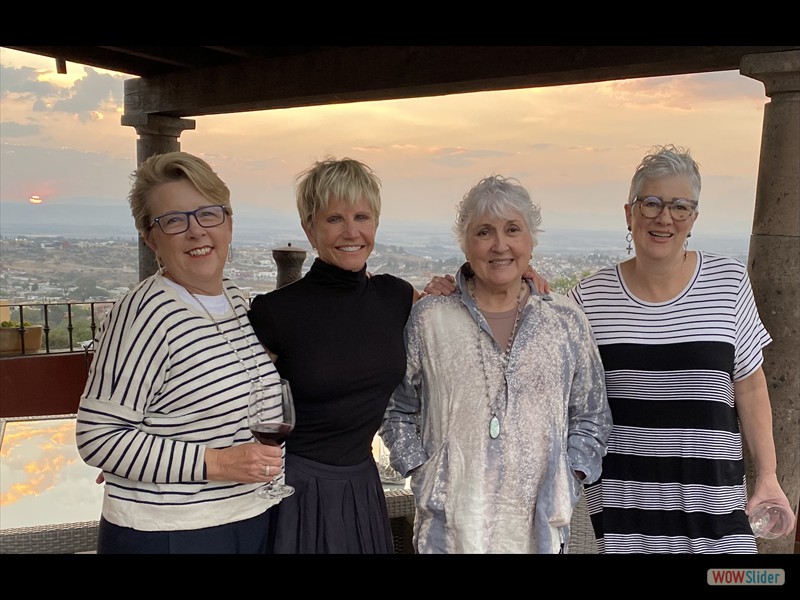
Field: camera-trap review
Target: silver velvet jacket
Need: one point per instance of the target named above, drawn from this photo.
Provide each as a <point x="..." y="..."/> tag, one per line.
<point x="515" y="493"/>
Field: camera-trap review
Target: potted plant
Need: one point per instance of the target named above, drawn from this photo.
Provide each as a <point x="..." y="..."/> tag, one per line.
<point x="11" y="340"/>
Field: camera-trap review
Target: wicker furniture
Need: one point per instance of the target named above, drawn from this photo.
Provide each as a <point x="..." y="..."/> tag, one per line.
<point x="400" y="505"/>
<point x="64" y="538"/>
<point x="73" y="538"/>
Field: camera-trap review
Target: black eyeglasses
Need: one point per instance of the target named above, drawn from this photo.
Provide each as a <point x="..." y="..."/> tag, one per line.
<point x="177" y="222"/>
<point x="680" y="209"/>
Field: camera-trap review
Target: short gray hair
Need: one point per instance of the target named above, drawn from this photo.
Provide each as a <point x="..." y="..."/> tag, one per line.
<point x="666" y="161"/>
<point x="498" y="197"/>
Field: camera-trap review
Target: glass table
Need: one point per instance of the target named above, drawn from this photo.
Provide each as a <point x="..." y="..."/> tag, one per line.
<point x="49" y="500"/>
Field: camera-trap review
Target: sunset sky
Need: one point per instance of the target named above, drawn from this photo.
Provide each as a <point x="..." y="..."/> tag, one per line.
<point x="574" y="147"/>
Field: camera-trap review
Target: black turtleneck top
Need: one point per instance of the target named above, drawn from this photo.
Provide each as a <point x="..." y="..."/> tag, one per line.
<point x="338" y="336"/>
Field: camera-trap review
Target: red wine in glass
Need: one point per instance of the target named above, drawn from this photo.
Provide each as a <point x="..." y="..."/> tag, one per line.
<point x="271" y="433"/>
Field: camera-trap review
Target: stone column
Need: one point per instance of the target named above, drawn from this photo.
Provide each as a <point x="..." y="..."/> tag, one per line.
<point x="774" y="263"/>
<point x="157" y="135"/>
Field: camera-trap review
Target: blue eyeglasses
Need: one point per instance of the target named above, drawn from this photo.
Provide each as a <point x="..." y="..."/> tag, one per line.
<point x="177" y="222"/>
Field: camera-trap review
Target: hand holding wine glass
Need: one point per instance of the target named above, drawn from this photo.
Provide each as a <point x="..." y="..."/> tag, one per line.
<point x="270" y="416"/>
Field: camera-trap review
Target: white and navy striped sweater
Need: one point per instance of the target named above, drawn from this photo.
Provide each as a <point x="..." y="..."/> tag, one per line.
<point x="164" y="386"/>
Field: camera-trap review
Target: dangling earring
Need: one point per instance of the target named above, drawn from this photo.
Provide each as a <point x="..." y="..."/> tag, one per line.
<point x="686" y="241"/>
<point x="230" y="253"/>
<point x="629" y="239"/>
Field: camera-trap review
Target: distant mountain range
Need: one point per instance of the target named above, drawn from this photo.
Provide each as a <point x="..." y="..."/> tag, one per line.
<point x="98" y="219"/>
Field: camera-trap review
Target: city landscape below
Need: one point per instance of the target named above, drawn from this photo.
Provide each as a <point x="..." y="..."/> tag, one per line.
<point x="65" y="276"/>
<point x="51" y="267"/>
<point x="88" y="250"/>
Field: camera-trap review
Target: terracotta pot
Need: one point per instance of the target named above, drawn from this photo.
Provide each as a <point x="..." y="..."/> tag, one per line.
<point x="10" y="342"/>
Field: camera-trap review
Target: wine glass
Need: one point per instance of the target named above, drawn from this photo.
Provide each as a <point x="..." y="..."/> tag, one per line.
<point x="270" y="416"/>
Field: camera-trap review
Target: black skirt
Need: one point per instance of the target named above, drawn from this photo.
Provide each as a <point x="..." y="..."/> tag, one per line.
<point x="334" y="510"/>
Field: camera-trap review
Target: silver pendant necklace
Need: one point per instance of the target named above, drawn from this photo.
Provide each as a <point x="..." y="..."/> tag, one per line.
<point x="494" y="404"/>
<point x="230" y="345"/>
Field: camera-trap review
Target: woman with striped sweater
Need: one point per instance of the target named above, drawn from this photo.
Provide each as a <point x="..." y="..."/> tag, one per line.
<point x="164" y="411"/>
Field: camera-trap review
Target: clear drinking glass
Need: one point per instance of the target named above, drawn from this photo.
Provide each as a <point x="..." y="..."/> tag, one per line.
<point x="270" y="416"/>
<point x="770" y="521"/>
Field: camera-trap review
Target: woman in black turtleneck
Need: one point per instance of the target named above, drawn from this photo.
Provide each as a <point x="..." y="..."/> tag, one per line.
<point x="337" y="335"/>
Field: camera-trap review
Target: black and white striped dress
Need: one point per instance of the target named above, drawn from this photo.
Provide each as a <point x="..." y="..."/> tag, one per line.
<point x="673" y="480"/>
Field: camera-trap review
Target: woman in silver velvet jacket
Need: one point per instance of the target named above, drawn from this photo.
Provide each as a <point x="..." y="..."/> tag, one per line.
<point x="503" y="409"/>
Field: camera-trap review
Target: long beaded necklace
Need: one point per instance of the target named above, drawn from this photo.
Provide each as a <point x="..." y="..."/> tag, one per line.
<point x="232" y="347"/>
<point x="494" y="404"/>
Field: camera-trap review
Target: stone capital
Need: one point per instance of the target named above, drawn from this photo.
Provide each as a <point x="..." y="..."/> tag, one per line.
<point x="778" y="71"/>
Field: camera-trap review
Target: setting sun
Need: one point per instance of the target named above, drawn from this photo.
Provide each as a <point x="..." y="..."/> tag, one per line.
<point x="35" y="200"/>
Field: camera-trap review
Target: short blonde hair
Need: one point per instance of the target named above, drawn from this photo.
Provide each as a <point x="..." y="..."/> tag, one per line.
<point x="165" y="168"/>
<point x="344" y="179"/>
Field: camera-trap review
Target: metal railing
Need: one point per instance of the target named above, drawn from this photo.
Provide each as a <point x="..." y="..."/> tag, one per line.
<point x="66" y="326"/>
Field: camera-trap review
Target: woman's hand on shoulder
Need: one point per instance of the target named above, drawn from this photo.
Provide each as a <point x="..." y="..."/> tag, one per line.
<point x="440" y="286"/>
<point x="539" y="282"/>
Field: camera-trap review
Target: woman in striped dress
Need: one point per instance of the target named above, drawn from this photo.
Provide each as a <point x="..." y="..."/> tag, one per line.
<point x="681" y="343"/>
